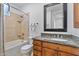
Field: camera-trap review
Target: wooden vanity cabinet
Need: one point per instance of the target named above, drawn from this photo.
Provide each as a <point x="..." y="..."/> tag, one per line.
<point x="49" y="49"/>
<point x="37" y="48"/>
<point x="44" y="48"/>
<point x="59" y="50"/>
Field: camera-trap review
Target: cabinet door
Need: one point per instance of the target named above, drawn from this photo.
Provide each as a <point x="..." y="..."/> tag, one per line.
<point x="76" y="15"/>
<point x="70" y="50"/>
<point x="64" y="54"/>
<point x="38" y="48"/>
<point x="36" y="53"/>
<point x="37" y="42"/>
<point x="49" y="52"/>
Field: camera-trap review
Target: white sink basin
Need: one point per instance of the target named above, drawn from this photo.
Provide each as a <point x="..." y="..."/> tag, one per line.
<point x="57" y="39"/>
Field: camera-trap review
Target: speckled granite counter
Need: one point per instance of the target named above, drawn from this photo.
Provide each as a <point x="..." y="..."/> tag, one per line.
<point x="69" y="42"/>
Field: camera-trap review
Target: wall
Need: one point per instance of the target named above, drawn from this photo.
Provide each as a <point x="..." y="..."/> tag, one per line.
<point x="36" y="12"/>
<point x="71" y="28"/>
<point x="15" y="9"/>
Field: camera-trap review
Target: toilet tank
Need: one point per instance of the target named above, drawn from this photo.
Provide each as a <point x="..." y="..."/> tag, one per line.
<point x="30" y="40"/>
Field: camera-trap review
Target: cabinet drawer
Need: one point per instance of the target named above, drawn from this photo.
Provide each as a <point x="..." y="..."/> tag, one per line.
<point x="64" y="54"/>
<point x="36" y="53"/>
<point x="37" y="48"/>
<point x="37" y="42"/>
<point x="49" y="52"/>
<point x="69" y="49"/>
<point x="50" y="45"/>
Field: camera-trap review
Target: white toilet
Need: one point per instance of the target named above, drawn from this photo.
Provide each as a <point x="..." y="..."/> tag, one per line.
<point x="26" y="50"/>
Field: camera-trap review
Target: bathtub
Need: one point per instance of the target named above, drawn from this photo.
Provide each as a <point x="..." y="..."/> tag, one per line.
<point x="13" y="48"/>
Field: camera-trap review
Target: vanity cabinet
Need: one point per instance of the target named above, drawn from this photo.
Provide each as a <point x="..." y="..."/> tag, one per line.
<point x="45" y="48"/>
<point x="37" y="48"/>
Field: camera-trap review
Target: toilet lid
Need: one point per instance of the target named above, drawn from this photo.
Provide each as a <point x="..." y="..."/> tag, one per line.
<point x="26" y="47"/>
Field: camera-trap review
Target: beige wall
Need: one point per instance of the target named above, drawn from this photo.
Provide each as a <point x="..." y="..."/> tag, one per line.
<point x="13" y="29"/>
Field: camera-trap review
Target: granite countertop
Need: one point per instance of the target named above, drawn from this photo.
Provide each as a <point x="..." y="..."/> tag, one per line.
<point x="69" y="42"/>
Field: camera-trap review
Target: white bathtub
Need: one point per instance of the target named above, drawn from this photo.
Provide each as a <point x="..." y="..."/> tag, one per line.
<point x="13" y="48"/>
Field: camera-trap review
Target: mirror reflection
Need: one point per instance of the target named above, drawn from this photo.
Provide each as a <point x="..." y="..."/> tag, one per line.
<point x="54" y="17"/>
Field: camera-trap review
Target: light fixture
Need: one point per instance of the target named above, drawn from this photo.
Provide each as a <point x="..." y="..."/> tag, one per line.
<point x="6" y="9"/>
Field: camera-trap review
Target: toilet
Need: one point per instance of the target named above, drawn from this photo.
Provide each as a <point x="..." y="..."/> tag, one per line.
<point x="26" y="50"/>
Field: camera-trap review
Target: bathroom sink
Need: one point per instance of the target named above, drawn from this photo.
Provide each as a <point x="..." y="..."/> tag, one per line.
<point x="57" y="39"/>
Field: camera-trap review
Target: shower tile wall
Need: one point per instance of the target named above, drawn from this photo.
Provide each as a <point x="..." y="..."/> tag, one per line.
<point x="14" y="29"/>
<point x="10" y="27"/>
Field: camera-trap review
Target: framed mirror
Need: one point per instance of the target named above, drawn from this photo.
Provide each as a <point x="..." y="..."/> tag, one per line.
<point x="55" y="17"/>
<point x="76" y="15"/>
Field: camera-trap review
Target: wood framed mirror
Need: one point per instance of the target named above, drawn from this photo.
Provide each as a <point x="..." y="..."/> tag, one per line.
<point x="76" y="15"/>
<point x="55" y="17"/>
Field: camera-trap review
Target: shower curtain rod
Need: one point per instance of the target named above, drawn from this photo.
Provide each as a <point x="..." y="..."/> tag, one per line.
<point x="17" y="9"/>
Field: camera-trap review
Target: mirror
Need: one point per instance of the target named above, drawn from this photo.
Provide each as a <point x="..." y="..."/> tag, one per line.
<point x="55" y="17"/>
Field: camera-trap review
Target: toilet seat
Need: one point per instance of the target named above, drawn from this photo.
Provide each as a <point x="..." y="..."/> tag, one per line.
<point x="26" y="48"/>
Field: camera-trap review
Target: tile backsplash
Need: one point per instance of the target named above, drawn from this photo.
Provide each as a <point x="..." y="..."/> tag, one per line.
<point x="56" y="36"/>
<point x="66" y="36"/>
